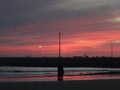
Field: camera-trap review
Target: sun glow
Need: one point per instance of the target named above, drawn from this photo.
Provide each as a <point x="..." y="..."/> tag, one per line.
<point x="40" y="46"/>
<point x="116" y="19"/>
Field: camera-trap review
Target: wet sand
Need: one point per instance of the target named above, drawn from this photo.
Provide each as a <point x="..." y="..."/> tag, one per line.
<point x="111" y="84"/>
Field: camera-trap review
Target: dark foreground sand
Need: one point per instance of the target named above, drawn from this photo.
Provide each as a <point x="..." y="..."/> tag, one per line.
<point x="65" y="85"/>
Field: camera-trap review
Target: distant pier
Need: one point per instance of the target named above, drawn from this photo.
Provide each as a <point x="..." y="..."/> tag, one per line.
<point x="103" y="62"/>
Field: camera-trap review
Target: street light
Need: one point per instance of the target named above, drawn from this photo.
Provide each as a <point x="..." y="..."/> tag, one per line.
<point x="59" y="45"/>
<point x="111" y="49"/>
<point x="40" y="46"/>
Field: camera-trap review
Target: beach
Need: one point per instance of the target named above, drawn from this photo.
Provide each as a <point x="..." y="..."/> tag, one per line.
<point x="108" y="84"/>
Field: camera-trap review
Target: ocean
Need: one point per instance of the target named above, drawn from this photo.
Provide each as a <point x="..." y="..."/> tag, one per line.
<point x="38" y="74"/>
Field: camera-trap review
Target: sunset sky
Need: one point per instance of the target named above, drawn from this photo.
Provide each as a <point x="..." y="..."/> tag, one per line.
<point x="87" y="26"/>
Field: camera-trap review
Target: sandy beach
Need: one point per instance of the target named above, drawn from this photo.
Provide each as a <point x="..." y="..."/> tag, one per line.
<point x="111" y="84"/>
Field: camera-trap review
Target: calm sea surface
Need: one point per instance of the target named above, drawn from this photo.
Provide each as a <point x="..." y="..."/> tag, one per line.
<point x="17" y="74"/>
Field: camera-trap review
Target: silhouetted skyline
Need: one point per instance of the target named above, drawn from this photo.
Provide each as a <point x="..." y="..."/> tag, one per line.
<point x="87" y="26"/>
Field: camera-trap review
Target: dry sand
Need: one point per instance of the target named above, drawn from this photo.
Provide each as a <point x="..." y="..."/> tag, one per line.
<point x="113" y="84"/>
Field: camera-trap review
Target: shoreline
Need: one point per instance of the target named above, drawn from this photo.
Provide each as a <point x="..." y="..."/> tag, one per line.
<point x="111" y="84"/>
<point x="52" y="78"/>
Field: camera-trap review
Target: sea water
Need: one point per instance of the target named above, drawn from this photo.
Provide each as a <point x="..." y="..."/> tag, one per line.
<point x="18" y="74"/>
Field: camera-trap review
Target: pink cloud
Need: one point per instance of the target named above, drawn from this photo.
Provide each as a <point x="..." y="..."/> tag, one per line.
<point x="76" y="36"/>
